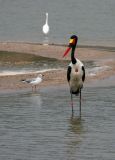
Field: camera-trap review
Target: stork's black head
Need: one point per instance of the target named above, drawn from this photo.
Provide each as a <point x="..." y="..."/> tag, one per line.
<point x="73" y="41"/>
<point x="72" y="44"/>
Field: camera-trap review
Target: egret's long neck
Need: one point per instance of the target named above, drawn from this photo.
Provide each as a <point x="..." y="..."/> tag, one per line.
<point x="46" y="18"/>
<point x="73" y="59"/>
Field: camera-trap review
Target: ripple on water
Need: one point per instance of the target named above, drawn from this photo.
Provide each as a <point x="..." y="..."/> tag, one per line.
<point x="40" y="125"/>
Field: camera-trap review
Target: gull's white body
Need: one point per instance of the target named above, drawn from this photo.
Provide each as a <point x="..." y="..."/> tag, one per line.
<point x="34" y="81"/>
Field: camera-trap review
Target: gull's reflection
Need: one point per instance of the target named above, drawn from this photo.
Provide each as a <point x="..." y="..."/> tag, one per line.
<point x="32" y="99"/>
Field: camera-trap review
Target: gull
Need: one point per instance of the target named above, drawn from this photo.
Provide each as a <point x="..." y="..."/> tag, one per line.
<point x="34" y="81"/>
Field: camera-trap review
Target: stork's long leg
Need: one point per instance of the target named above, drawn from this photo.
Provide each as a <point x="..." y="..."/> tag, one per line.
<point x="72" y="103"/>
<point x="80" y="102"/>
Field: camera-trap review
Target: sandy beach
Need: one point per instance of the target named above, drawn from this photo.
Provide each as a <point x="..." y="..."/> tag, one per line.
<point x="103" y="56"/>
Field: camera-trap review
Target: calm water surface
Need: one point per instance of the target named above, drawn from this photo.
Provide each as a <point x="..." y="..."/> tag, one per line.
<point x="40" y="126"/>
<point x="92" y="20"/>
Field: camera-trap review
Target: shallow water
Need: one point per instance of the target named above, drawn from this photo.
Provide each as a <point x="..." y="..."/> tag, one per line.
<point x="40" y="125"/>
<point x="92" y="20"/>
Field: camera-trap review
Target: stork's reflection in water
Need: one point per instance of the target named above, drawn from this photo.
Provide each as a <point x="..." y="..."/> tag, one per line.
<point x="75" y="135"/>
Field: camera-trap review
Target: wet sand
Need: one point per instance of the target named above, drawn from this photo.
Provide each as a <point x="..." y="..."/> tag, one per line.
<point x="103" y="56"/>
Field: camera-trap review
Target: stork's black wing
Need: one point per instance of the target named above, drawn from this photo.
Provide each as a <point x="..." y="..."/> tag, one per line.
<point x="68" y="73"/>
<point x="83" y="76"/>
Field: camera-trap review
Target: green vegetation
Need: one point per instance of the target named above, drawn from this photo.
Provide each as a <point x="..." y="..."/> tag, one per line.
<point x="20" y="58"/>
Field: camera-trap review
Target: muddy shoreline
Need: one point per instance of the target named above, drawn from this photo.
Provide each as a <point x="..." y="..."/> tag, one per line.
<point x="102" y="56"/>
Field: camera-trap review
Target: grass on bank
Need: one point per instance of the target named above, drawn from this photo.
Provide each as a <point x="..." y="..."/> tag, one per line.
<point x="21" y="58"/>
<point x="17" y="58"/>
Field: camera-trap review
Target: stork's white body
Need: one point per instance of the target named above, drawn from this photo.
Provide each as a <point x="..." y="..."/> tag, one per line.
<point x="76" y="74"/>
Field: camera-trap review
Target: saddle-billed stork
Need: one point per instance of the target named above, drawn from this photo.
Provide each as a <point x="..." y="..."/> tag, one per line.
<point x="75" y="71"/>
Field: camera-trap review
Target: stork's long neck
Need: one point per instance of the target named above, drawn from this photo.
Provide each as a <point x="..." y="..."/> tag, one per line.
<point x="46" y="18"/>
<point x="73" y="59"/>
